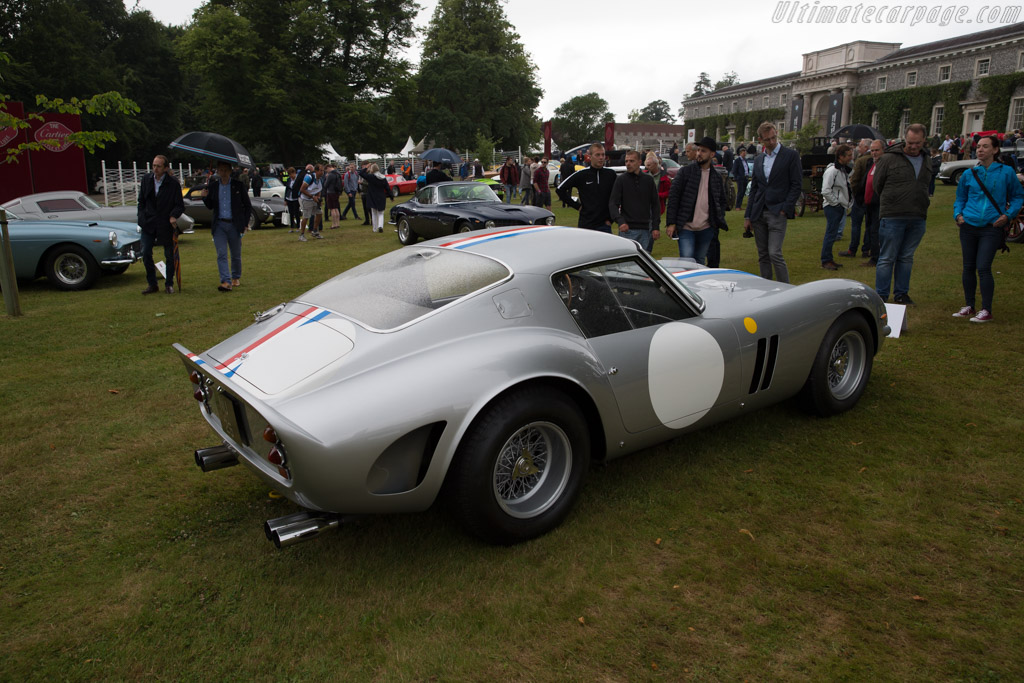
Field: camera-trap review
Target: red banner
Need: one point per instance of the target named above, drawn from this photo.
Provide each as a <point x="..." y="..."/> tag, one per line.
<point x="609" y="135"/>
<point x="15" y="178"/>
<point x="546" y="128"/>
<point x="60" y="167"/>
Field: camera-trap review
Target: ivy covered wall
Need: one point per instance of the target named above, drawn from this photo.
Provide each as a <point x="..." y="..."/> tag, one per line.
<point x="919" y="101"/>
<point x="707" y="125"/>
<point x="999" y="90"/>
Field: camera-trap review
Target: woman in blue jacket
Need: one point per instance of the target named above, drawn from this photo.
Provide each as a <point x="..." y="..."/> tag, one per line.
<point x="982" y="217"/>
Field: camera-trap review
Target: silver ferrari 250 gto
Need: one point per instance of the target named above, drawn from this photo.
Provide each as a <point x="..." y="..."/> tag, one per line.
<point x="492" y="369"/>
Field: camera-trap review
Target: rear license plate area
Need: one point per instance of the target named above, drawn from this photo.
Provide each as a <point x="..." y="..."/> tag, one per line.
<point x="232" y="418"/>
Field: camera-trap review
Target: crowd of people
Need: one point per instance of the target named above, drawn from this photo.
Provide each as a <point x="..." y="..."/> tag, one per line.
<point x="885" y="190"/>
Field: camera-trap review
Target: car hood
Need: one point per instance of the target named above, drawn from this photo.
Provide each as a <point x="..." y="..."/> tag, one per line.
<point x="284" y="348"/>
<point x="497" y="209"/>
<point x="125" y="231"/>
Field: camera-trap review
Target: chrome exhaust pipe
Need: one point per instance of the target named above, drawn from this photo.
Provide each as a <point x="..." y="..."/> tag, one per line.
<point x="299" y="527"/>
<point x="215" y="458"/>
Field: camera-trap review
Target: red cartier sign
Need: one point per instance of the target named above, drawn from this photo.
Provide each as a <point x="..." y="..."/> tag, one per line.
<point x="54" y="130"/>
<point x="7" y="134"/>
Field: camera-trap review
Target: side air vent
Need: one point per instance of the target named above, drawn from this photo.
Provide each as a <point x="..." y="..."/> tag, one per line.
<point x="764" y="363"/>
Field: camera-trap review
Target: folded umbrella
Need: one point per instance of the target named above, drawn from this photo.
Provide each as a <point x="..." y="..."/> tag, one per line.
<point x="214" y="145"/>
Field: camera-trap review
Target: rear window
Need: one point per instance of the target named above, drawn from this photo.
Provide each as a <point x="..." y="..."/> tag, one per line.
<point x="47" y="205"/>
<point x="395" y="289"/>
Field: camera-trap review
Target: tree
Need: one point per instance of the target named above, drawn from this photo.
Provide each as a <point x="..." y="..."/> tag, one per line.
<point x="655" y="112"/>
<point x="580" y="120"/>
<point x="702" y="86"/>
<point x="803" y="138"/>
<point x="727" y="79"/>
<point x="475" y="78"/>
<point x="102" y="48"/>
<point x="251" y="62"/>
<point x="104" y="104"/>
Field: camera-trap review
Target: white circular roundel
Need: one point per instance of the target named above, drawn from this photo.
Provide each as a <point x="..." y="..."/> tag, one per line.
<point x="685" y="373"/>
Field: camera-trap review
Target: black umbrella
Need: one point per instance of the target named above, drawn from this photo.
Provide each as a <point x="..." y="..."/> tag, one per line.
<point x="214" y="145"/>
<point x="445" y="156"/>
<point x="858" y="131"/>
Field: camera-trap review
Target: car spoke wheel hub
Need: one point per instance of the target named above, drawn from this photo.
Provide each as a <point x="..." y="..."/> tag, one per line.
<point x="846" y="365"/>
<point x="532" y="469"/>
<point x="70" y="268"/>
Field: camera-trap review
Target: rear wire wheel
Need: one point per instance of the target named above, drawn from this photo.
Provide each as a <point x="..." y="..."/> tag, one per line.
<point x="521" y="467"/>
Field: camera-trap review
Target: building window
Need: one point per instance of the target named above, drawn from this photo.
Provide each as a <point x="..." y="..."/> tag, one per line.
<point x="781" y="127"/>
<point x="1017" y="113"/>
<point x="881" y="83"/>
<point x="911" y="79"/>
<point x="707" y="110"/>
<point x="938" y="113"/>
<point x="874" y="119"/>
<point x="981" y="67"/>
<point x="767" y="101"/>
<point x="904" y="121"/>
<point x="721" y="108"/>
<point x="735" y="107"/>
<point x="944" y="72"/>
<point x="1020" y="61"/>
<point x="750" y="105"/>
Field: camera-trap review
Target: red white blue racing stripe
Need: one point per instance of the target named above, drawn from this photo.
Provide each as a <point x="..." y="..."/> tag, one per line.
<point x="230" y="366"/>
<point x="465" y="242"/>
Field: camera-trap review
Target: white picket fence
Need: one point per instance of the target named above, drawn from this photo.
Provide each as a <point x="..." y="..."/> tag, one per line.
<point x="120" y="185"/>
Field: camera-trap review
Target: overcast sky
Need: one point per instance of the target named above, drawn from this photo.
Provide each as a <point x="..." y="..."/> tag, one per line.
<point x="634" y="52"/>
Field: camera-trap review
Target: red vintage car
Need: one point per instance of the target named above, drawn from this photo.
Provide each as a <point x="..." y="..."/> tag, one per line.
<point x="399" y="185"/>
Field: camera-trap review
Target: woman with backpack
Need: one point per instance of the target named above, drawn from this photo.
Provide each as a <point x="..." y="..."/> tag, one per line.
<point x="988" y="197"/>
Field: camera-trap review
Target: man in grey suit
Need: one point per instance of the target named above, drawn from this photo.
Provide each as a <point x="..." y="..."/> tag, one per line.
<point x="774" y="189"/>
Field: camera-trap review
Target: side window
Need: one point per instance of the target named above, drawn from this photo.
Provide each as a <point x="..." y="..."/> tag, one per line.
<point x="425" y="196"/>
<point x="615" y="297"/>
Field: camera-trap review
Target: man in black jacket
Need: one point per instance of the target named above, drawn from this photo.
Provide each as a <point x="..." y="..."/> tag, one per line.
<point x="696" y="207"/>
<point x="436" y="175"/>
<point x="594" y="187"/>
<point x="160" y="204"/>
<point x="775" y="186"/>
<point x="228" y="198"/>
<point x="634" y="204"/>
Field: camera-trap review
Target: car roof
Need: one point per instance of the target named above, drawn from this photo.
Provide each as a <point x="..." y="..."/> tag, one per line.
<point x="540" y="248"/>
<point x="55" y="194"/>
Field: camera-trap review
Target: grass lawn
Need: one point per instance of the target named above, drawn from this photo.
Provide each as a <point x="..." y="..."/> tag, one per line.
<point x="884" y="544"/>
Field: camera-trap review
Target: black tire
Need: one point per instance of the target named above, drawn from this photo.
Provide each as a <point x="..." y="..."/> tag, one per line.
<point x="71" y="268"/>
<point x="406" y="235"/>
<point x="955" y="178"/>
<point x="394" y="192"/>
<point x="520" y="468"/>
<point x="801" y="204"/>
<point x="1016" y="233"/>
<point x="841" y="368"/>
<point x="252" y="221"/>
<point x="463" y="226"/>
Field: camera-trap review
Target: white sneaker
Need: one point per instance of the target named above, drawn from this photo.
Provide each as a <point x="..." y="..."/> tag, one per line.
<point x="965" y="312"/>
<point x="302" y="238"/>
<point x="983" y="316"/>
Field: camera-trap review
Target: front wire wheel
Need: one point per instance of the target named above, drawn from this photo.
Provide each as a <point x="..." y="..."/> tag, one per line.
<point x="841" y="368"/>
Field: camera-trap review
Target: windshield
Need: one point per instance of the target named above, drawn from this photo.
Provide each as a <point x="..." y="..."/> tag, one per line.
<point x="399" y="287"/>
<point x="668" y="163"/>
<point x="466" y="192"/>
<point x="88" y="202"/>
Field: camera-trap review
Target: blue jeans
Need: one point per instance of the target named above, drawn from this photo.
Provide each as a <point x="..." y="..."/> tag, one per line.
<point x="147" y="259"/>
<point x="527" y="196"/>
<point x="225" y="235"/>
<point x="979" y="247"/>
<point x="898" y="240"/>
<point x="643" y="237"/>
<point x="858" y="214"/>
<point x="509" y="189"/>
<point x="694" y="243"/>
<point x="835" y="219"/>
